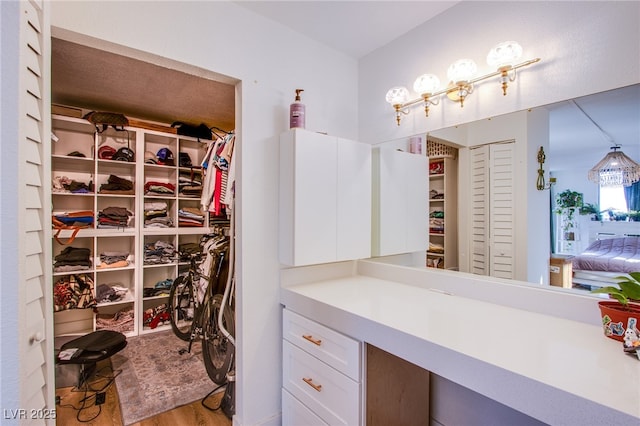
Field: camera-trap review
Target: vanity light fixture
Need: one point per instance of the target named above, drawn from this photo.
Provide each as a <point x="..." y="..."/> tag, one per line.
<point x="616" y="168"/>
<point x="397" y="97"/>
<point x="503" y="57"/>
<point x="461" y="76"/>
<point x="540" y="183"/>
<point x="427" y="85"/>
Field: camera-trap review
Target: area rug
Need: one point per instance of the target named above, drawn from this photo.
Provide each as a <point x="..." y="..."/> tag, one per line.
<point x="156" y="378"/>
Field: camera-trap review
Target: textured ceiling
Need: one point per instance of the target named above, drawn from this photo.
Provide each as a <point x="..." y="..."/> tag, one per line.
<point x="93" y="79"/>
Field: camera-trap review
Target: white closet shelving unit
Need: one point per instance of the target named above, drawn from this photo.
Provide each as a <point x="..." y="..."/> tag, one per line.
<point x="443" y="206"/>
<point x="76" y="135"/>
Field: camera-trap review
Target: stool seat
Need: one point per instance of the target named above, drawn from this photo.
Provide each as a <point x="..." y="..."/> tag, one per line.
<point x="90" y="349"/>
<point x="94" y="347"/>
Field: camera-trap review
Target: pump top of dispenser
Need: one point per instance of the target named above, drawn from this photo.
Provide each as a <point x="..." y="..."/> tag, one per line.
<point x="298" y="93"/>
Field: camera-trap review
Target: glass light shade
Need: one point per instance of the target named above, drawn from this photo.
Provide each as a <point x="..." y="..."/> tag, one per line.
<point x="397" y="95"/>
<point x="462" y="70"/>
<point x="615" y="169"/>
<point x="426" y="83"/>
<point x="504" y="54"/>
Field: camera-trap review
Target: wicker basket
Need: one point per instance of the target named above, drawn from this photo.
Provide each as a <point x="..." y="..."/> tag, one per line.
<point x="440" y="150"/>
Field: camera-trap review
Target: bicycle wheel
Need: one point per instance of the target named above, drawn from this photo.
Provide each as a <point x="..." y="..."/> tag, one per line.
<point x="181" y="307"/>
<point x="217" y="350"/>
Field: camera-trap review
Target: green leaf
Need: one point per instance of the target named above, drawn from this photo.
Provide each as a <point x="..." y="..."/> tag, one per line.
<point x="614" y="292"/>
<point x="635" y="276"/>
<point x="630" y="288"/>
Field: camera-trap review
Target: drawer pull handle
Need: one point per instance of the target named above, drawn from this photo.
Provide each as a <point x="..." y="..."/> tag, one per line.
<point x="310" y="338"/>
<point x="313" y="385"/>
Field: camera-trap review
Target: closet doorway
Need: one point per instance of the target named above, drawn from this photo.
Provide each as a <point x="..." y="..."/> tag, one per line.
<point x="94" y="75"/>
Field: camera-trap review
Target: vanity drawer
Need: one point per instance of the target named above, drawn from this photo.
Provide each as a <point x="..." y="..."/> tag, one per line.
<point x="330" y="394"/>
<point x="295" y="413"/>
<point x="337" y="350"/>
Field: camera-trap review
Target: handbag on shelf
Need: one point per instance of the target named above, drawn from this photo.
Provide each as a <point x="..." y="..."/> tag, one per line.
<point x="105" y="119"/>
<point x="70" y="221"/>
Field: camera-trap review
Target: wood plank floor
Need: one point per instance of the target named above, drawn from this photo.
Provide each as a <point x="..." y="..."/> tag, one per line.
<point x="109" y="414"/>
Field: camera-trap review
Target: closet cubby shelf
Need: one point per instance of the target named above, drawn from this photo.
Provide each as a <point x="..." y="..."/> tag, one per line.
<point x="79" y="138"/>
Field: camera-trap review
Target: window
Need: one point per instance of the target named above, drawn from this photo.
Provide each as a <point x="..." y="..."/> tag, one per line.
<point x="612" y="197"/>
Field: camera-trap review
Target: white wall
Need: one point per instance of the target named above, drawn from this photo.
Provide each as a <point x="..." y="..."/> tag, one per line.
<point x="271" y="61"/>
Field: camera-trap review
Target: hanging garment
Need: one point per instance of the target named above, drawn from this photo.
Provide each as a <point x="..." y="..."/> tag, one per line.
<point x="218" y="160"/>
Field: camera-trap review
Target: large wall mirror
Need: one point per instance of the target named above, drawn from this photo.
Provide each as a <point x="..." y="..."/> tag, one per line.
<point x="503" y="225"/>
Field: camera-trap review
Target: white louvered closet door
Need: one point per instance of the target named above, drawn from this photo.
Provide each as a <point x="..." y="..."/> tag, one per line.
<point x="37" y="378"/>
<point x="492" y="218"/>
<point x="501" y="210"/>
<point x="480" y="210"/>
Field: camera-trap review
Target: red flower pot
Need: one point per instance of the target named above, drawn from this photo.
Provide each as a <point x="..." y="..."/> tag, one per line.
<point x="616" y="319"/>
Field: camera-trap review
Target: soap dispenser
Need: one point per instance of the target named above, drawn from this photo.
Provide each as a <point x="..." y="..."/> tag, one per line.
<point x="297" y="112"/>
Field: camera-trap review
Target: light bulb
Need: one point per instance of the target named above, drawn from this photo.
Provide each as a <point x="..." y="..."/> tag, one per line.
<point x="504" y="54"/>
<point x="397" y="95"/>
<point x="426" y="83"/>
<point x="462" y="70"/>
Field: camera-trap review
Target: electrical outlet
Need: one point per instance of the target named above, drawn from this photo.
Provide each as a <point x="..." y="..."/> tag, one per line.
<point x="100" y="398"/>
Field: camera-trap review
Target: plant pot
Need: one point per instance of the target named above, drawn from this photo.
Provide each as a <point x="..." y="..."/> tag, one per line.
<point x="616" y="319"/>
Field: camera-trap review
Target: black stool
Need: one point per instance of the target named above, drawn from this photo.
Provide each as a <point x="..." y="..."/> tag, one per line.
<point x="89" y="350"/>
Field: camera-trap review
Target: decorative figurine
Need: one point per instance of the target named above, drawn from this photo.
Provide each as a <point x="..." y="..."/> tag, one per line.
<point x="631" y="340"/>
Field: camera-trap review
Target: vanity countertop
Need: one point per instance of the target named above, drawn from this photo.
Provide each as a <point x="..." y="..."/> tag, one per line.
<point x="556" y="370"/>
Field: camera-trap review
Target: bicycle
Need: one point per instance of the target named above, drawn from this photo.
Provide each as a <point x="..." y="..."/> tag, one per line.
<point x="194" y="315"/>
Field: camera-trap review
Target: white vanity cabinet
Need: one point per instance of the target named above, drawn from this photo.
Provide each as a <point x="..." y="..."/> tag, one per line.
<point x="325" y="198"/>
<point x="321" y="374"/>
<point x="401" y="202"/>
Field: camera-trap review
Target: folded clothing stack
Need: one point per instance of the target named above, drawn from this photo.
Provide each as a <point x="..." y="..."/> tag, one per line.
<point x="159" y="252"/>
<point x="111" y="292"/>
<point x="190" y="216"/>
<point x="81" y="218"/>
<point x="155" y="215"/>
<point x="436" y="222"/>
<point x="190" y="183"/>
<point x="64" y="184"/>
<point x="161" y="288"/>
<point x="114" y="259"/>
<point x="436" y="248"/>
<point x="72" y="259"/>
<point x="114" y="218"/>
<point x="121" y="321"/>
<point x="117" y="185"/>
<point x="435" y="195"/>
<point x="159" y="188"/>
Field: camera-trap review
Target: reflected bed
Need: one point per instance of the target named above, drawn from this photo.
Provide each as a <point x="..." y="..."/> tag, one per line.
<point x="606" y="259"/>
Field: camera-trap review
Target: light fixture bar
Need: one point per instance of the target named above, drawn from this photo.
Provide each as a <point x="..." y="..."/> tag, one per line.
<point x="462" y="82"/>
<point x="498" y="72"/>
<point x="412" y="102"/>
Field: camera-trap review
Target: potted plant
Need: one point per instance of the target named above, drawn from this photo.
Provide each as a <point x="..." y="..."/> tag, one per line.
<point x="568" y="202"/>
<point x="634" y="215"/>
<point x="620" y="216"/>
<point x="591" y="209"/>
<point x="624" y="311"/>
